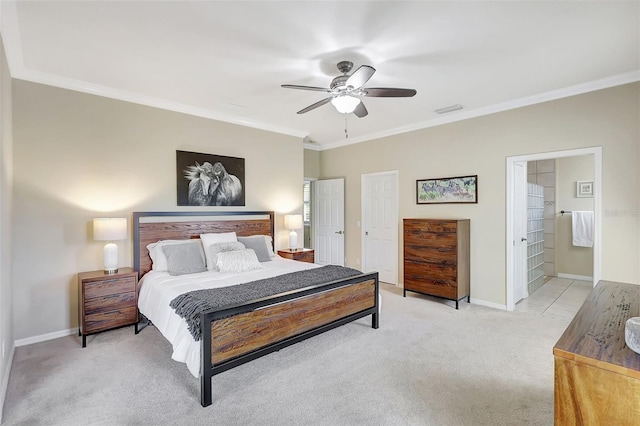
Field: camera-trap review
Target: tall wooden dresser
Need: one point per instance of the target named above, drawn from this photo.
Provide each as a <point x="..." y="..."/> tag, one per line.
<point x="436" y="258"/>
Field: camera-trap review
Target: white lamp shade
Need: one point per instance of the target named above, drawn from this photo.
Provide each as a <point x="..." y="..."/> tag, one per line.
<point x="293" y="221"/>
<point x="109" y="228"/>
<point x="345" y="103"/>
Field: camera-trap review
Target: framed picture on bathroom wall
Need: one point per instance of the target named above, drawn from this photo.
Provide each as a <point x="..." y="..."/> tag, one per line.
<point x="584" y="188"/>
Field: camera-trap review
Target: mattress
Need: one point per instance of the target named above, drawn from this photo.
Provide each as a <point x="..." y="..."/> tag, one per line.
<point x="158" y="289"/>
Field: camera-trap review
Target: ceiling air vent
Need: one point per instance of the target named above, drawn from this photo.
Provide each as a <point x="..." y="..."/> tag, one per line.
<point x="456" y="107"/>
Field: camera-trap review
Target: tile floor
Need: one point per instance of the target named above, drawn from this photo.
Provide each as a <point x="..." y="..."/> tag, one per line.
<point x="557" y="298"/>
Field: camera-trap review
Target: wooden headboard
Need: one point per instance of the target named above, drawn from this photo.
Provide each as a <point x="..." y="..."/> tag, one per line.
<point x="149" y="227"/>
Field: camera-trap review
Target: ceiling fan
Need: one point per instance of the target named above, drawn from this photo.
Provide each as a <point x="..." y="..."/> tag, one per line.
<point x="346" y="90"/>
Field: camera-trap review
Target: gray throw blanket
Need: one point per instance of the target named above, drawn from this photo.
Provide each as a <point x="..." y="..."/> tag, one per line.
<point x="191" y="305"/>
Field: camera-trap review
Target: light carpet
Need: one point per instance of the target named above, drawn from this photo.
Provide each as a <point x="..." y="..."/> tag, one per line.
<point x="427" y="364"/>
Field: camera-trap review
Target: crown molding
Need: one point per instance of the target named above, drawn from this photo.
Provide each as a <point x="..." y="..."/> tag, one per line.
<point x="578" y="89"/>
<point x="123" y="95"/>
<point x="312" y="146"/>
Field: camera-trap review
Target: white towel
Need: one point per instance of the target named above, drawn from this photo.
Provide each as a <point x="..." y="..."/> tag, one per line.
<point x="582" y="228"/>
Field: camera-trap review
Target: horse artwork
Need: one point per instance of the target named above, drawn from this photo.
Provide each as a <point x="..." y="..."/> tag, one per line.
<point x="201" y="190"/>
<point x="209" y="180"/>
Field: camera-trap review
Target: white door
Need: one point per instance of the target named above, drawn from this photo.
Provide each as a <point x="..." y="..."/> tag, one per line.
<point x="328" y="222"/>
<point x="520" y="230"/>
<point x="380" y="225"/>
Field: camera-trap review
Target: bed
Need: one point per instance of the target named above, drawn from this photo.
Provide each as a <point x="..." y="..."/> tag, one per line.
<point x="235" y="334"/>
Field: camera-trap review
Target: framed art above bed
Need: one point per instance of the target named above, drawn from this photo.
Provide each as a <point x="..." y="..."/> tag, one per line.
<point x="244" y="320"/>
<point x="209" y="180"/>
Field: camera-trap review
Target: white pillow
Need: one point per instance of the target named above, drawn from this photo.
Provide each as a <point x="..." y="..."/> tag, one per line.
<point x="213" y="238"/>
<point x="158" y="256"/>
<point x="217" y="248"/>
<point x="238" y="261"/>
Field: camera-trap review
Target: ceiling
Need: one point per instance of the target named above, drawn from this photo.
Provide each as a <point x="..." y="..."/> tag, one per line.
<point x="226" y="60"/>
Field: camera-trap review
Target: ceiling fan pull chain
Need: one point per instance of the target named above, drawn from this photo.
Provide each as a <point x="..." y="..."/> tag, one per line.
<point x="346" y="134"/>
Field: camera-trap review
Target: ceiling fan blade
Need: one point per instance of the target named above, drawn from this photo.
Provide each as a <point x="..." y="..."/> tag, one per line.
<point x="360" y="76"/>
<point x="361" y="110"/>
<point x="314" y="106"/>
<point x="388" y="92"/>
<point x="315" y="89"/>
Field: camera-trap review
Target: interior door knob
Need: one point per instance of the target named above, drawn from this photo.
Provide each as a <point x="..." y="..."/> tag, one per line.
<point x="339" y="232"/>
<point x="523" y="239"/>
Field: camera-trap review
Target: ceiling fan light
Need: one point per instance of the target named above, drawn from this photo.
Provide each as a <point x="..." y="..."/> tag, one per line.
<point x="345" y="104"/>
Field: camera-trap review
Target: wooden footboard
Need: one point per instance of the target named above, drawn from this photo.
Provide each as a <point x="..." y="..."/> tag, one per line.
<point x="240" y="334"/>
<point x="233" y="336"/>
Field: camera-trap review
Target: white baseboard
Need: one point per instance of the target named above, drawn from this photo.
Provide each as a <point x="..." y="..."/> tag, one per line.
<point x="575" y="277"/>
<point x="45" y="337"/>
<point x="5" y="380"/>
<point x="488" y="304"/>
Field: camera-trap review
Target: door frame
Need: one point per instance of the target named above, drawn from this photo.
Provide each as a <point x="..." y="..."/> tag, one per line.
<point x="597" y="207"/>
<point x="520" y="285"/>
<point x="397" y="214"/>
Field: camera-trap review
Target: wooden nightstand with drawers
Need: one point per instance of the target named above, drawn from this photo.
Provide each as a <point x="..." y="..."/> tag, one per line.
<point x="106" y="301"/>
<point x="302" y="255"/>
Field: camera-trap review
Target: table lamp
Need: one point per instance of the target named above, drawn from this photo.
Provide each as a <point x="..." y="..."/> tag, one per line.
<point x="293" y="222"/>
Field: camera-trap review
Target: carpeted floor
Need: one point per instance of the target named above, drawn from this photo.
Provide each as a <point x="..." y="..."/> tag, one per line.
<point x="427" y="364"/>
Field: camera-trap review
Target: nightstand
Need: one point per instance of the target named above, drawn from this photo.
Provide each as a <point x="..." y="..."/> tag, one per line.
<point x="106" y="301"/>
<point x="302" y="255"/>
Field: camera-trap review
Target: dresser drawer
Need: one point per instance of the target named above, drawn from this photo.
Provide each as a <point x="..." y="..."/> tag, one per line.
<point x="430" y="253"/>
<point x="435" y="279"/>
<point x="109" y="303"/>
<point x="436" y="226"/>
<point x="305" y="257"/>
<point x="101" y="288"/>
<point x="434" y="287"/>
<point x="111" y="319"/>
<point x="427" y="270"/>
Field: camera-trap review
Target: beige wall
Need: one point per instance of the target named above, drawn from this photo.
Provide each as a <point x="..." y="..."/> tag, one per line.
<point x="569" y="259"/>
<point x="311" y="163"/>
<point x="607" y="118"/>
<point x="6" y="306"/>
<point x="80" y="156"/>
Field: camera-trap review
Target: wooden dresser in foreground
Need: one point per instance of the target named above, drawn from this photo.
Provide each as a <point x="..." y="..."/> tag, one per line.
<point x="436" y="257"/>
<point x="106" y="301"/>
<point x="302" y="255"/>
<point x="597" y="377"/>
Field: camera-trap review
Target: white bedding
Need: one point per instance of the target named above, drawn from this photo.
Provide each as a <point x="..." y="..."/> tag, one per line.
<point x="158" y="289"/>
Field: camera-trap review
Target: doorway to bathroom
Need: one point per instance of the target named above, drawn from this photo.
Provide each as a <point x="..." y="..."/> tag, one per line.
<point x="556" y="175"/>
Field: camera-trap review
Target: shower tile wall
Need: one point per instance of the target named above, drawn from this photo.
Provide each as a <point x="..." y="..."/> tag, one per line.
<point x="543" y="172"/>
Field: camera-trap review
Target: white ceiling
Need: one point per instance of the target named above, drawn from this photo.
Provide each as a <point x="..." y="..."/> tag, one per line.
<point x="227" y="59"/>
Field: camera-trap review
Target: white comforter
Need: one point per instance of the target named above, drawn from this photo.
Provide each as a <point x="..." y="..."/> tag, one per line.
<point x="158" y="289"/>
